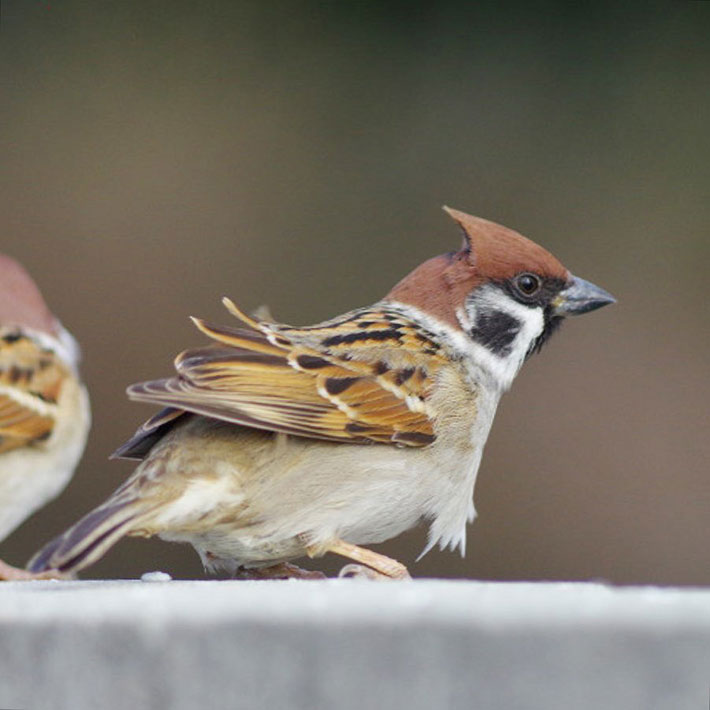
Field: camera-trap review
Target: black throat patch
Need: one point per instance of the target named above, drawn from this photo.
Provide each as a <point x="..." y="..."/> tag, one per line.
<point x="552" y="323"/>
<point x="496" y="331"/>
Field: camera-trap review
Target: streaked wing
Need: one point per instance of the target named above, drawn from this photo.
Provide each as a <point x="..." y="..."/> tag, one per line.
<point x="30" y="382"/>
<point x="363" y="377"/>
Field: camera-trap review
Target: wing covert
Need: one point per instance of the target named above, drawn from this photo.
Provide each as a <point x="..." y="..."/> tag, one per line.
<point x="30" y="382"/>
<point x="364" y="377"/>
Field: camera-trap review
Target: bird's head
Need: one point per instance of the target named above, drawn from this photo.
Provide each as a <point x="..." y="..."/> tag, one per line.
<point x="23" y="308"/>
<point x="503" y="292"/>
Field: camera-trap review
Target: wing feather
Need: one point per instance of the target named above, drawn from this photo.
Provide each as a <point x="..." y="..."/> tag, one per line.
<point x="365" y="376"/>
<point x="30" y="381"/>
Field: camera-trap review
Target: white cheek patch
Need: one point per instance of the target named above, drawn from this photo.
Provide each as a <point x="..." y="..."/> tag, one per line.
<point x="501" y="331"/>
<point x="453" y="337"/>
<point x="482" y="361"/>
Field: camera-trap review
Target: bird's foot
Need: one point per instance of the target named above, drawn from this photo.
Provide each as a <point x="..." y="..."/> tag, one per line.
<point x="372" y="564"/>
<point x="9" y="573"/>
<point x="283" y="570"/>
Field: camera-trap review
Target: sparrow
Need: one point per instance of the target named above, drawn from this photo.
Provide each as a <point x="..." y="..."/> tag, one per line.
<point x="278" y="442"/>
<point x="44" y="407"/>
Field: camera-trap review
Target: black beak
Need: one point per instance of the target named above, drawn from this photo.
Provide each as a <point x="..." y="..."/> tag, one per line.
<point x="580" y="296"/>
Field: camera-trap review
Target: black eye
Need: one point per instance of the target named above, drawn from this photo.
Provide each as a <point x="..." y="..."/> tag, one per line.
<point x="528" y="284"/>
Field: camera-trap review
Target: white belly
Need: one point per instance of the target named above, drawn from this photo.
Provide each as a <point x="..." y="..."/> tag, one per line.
<point x="309" y="494"/>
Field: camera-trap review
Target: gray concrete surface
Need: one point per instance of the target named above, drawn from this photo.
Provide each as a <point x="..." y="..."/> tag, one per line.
<point x="351" y="644"/>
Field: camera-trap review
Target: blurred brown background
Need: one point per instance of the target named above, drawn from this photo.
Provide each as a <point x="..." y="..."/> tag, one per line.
<point x="156" y="156"/>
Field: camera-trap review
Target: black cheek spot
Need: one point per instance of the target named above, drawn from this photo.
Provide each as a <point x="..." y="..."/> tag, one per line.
<point x="496" y="331"/>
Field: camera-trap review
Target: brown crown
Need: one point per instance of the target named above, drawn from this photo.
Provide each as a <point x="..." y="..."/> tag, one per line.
<point x="21" y="303"/>
<point x="490" y="252"/>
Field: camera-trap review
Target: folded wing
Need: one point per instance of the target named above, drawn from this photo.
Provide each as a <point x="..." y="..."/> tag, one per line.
<point x="355" y="379"/>
<point x="30" y="382"/>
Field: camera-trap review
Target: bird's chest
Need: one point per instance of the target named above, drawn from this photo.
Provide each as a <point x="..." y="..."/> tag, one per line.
<point x="28" y="478"/>
<point x="467" y="407"/>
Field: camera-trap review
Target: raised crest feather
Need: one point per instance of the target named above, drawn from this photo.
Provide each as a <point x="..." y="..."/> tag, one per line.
<point x="466" y="245"/>
<point x="491" y="253"/>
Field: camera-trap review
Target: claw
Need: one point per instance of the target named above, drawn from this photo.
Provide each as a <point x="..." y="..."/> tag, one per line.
<point x="375" y="565"/>
<point x="353" y="571"/>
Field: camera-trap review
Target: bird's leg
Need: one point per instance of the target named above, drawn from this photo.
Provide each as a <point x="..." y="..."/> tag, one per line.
<point x="9" y="573"/>
<point x="377" y="566"/>
<point x="283" y="570"/>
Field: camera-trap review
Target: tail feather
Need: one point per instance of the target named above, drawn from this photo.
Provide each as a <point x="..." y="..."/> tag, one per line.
<point x="40" y="560"/>
<point x="90" y="538"/>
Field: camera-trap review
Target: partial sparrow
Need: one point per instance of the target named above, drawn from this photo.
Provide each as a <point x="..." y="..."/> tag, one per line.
<point x="280" y="442"/>
<point x="44" y="408"/>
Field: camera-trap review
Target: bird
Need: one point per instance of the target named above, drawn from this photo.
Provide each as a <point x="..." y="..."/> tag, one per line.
<point x="278" y="442"/>
<point x="44" y="406"/>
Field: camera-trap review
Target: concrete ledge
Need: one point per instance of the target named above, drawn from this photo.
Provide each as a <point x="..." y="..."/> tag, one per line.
<point x="352" y="644"/>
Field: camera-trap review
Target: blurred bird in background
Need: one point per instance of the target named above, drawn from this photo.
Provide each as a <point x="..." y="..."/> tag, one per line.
<point x="278" y="442"/>
<point x="44" y="407"/>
